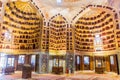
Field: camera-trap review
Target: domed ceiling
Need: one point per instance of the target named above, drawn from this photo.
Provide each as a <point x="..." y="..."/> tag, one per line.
<point x="69" y="8"/>
<point x="94" y="27"/>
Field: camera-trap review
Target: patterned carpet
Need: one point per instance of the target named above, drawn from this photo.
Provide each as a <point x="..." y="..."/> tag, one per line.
<point x="76" y="76"/>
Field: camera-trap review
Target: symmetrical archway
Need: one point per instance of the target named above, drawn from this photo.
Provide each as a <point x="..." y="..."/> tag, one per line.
<point x="57" y="34"/>
<point x="95" y="29"/>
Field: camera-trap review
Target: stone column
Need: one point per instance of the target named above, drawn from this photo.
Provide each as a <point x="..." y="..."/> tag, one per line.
<point x="42" y="63"/>
<point x="16" y="61"/>
<point x="37" y="63"/>
<point x="82" y="62"/>
<point x="118" y="62"/>
<point x="107" y="64"/>
<point x="91" y="62"/>
<point x="70" y="62"/>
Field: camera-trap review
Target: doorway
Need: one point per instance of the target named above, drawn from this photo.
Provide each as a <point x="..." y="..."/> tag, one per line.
<point x="10" y="61"/>
<point x="7" y="63"/>
<point x="21" y="61"/>
<point x="78" y="62"/>
<point x="113" y="63"/>
<point x="99" y="64"/>
<point x="33" y="61"/>
<point x="86" y="62"/>
<point x="3" y="60"/>
<point x="57" y="64"/>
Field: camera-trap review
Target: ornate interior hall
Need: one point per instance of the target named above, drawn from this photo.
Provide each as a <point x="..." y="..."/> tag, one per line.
<point x="60" y="39"/>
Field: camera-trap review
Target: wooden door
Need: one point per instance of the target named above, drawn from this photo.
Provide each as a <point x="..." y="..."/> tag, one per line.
<point x="100" y="64"/>
<point x="113" y="63"/>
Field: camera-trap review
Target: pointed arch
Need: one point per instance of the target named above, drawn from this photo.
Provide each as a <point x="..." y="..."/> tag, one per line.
<point x="60" y="16"/>
<point x="57" y="34"/>
<point x="22" y="19"/>
<point x="39" y="10"/>
<point x="95" y="20"/>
